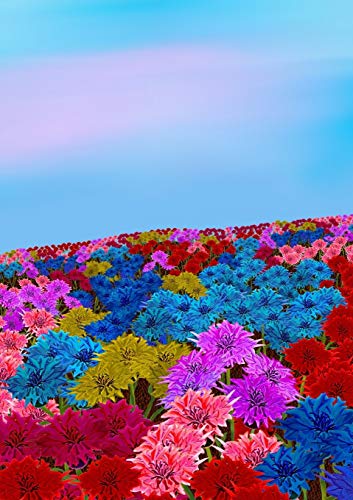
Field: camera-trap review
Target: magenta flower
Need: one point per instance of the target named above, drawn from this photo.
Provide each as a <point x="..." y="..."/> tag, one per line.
<point x="58" y="288"/>
<point x="277" y="374"/>
<point x="257" y="400"/>
<point x="19" y="438"/>
<point x="228" y="342"/>
<point x="72" y="438"/>
<point x="123" y="425"/>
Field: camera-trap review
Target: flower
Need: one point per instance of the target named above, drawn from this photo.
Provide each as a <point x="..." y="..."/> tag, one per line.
<point x="195" y="371"/>
<point x="185" y="440"/>
<point x="18" y="438"/>
<point x="228" y="341"/>
<point x="71" y="438"/>
<point x="340" y="485"/>
<point x="163" y="471"/>
<point x="98" y="384"/>
<point x="251" y="448"/>
<point x="123" y="425"/>
<point x="290" y="470"/>
<point x="306" y="354"/>
<point x="37" y="381"/>
<point x="200" y="410"/>
<point x="256" y="400"/>
<point x="30" y="479"/>
<point x="335" y="381"/>
<point x="109" y="478"/>
<point x="318" y="424"/>
<point x="277" y="374"/>
<point x="221" y="479"/>
<point x="39" y="321"/>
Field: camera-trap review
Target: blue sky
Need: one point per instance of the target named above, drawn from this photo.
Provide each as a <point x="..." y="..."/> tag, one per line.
<point x="122" y="116"/>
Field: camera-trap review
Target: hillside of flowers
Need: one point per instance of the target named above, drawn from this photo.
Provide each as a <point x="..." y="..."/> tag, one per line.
<point x="208" y="364"/>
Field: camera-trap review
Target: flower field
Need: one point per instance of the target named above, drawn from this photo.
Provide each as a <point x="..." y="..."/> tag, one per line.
<point x="206" y="364"/>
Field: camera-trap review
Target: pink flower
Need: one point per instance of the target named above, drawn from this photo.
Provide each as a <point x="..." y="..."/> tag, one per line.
<point x="292" y="258"/>
<point x="39" y="321"/>
<point x="200" y="410"/>
<point x="163" y="471"/>
<point x="6" y="404"/>
<point x="310" y="253"/>
<point x="42" y="281"/>
<point x="251" y="448"/>
<point x="12" y="341"/>
<point x="184" y="439"/>
<point x="319" y="244"/>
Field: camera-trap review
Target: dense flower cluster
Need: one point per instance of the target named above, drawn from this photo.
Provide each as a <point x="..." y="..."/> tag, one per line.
<point x="180" y="364"/>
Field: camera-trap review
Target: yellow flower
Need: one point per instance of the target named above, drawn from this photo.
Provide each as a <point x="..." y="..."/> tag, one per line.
<point x="93" y="268"/>
<point x="77" y="318"/>
<point x="170" y="282"/>
<point x="99" y="384"/>
<point x="198" y="290"/>
<point x="131" y="356"/>
<point x="166" y="355"/>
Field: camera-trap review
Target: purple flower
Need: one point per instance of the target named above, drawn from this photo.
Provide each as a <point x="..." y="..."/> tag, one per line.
<point x="13" y="321"/>
<point x="10" y="300"/>
<point x="255" y="400"/>
<point x="277" y="374"/>
<point x="58" y="288"/>
<point x="227" y="341"/>
<point x="148" y="267"/>
<point x="29" y="292"/>
<point x="195" y="371"/>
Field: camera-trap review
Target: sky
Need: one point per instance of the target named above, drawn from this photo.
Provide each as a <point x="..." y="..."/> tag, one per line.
<point x="131" y="115"/>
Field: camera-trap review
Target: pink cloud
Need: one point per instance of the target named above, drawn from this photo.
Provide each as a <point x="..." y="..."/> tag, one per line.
<point x="51" y="106"/>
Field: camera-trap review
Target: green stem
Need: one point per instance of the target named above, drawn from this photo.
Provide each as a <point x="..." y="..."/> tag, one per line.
<point x="323" y="484"/>
<point x="232" y="429"/>
<point x="61" y="406"/>
<point x="305" y="494"/>
<point x="149" y="407"/>
<point x="156" y="413"/>
<point x="209" y="454"/>
<point x="188" y="492"/>
<point x="132" y="393"/>
<point x="228" y="376"/>
<point x="302" y="385"/>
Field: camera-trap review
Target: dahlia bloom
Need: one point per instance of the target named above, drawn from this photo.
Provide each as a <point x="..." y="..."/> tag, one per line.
<point x="251" y="448"/>
<point x="163" y="471"/>
<point x="71" y="438"/>
<point x="185" y="440"/>
<point x="109" y="478"/>
<point x="39" y="321"/>
<point x="221" y="479"/>
<point x="18" y="438"/>
<point x="255" y="399"/>
<point x="277" y="374"/>
<point x="30" y="479"/>
<point x="200" y="410"/>
<point x="227" y="341"/>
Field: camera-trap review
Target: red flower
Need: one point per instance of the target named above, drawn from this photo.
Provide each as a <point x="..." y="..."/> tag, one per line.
<point x="335" y="382"/>
<point x="344" y="352"/>
<point x="30" y="479"/>
<point x="306" y="354"/>
<point x="221" y="479"/>
<point x="109" y="478"/>
<point x="261" y="491"/>
<point x="339" y="324"/>
<point x="326" y="284"/>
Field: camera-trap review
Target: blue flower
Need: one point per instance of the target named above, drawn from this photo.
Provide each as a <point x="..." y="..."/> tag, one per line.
<point x="38" y="381"/>
<point x="152" y="324"/>
<point x="290" y="470"/>
<point x="81" y="356"/>
<point x="340" y="485"/>
<point x="319" y="424"/>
